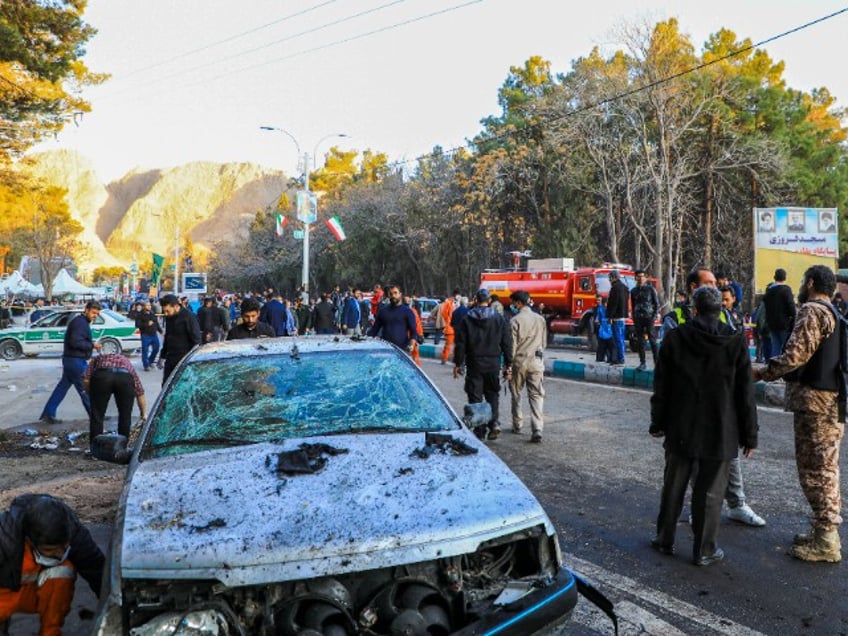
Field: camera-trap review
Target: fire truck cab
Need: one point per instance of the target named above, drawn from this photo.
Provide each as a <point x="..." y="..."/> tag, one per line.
<point x="565" y="295"/>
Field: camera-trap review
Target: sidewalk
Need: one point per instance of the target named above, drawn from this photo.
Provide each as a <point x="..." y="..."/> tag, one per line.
<point x="570" y="358"/>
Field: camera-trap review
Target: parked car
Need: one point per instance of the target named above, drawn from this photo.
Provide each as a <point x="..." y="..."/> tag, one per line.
<point x="323" y="486"/>
<point x="115" y="332"/>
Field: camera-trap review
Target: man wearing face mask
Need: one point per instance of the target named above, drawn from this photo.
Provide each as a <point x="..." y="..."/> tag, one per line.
<point x="43" y="546"/>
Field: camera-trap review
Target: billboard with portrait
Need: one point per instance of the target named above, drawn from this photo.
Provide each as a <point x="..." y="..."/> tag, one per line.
<point x="793" y="239"/>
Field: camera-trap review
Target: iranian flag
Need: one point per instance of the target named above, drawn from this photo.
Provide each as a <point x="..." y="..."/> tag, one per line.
<point x="281" y="223"/>
<point x="336" y="228"/>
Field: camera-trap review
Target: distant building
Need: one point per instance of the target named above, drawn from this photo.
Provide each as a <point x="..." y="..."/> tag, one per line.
<point x="30" y="268"/>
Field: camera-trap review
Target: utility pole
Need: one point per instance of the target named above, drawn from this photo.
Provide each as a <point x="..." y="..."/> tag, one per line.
<point x="306" y="223"/>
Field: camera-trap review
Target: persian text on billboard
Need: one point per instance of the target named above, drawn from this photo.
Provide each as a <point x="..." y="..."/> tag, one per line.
<point x="799" y="230"/>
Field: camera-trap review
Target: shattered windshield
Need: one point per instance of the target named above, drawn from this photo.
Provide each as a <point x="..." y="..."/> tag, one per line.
<point x="249" y="399"/>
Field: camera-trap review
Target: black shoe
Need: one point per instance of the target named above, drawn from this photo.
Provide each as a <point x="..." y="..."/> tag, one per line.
<point x="715" y="557"/>
<point x="536" y="438"/>
<point x="46" y="419"/>
<point x="641" y="367"/>
<point x="494" y="433"/>
<point x="662" y="548"/>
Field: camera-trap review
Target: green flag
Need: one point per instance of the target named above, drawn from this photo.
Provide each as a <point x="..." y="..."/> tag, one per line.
<point x="158" y="261"/>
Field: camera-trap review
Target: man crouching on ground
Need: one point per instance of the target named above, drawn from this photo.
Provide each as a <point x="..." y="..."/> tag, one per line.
<point x="42" y="547"/>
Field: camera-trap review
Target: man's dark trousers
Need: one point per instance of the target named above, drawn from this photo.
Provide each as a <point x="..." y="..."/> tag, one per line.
<point x="641" y="328"/>
<point x="710" y="483"/>
<point x="104" y="384"/>
<point x="480" y="385"/>
<point x="72" y="370"/>
<point x="149" y="350"/>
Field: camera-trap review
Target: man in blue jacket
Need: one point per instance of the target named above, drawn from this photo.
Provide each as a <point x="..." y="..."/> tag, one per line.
<point x="352" y="313"/>
<point x="77" y="351"/>
<point x="395" y="321"/>
<point x="274" y="313"/>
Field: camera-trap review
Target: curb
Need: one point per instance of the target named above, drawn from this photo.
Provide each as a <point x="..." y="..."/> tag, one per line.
<point x="766" y="394"/>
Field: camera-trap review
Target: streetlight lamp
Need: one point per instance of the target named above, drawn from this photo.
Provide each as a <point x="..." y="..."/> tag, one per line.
<point x="306" y="215"/>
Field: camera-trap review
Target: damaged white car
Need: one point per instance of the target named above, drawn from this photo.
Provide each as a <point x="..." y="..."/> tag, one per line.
<point x="323" y="486"/>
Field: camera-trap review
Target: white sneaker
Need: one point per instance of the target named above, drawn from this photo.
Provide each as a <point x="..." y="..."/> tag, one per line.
<point x="744" y="514"/>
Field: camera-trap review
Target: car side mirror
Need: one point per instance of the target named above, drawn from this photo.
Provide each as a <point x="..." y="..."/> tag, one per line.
<point x="111" y="448"/>
<point x="475" y="415"/>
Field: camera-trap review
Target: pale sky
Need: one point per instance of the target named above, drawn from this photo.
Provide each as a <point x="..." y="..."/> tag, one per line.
<point x="195" y="79"/>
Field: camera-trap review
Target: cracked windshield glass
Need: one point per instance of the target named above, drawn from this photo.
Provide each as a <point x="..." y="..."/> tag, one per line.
<point x="275" y="397"/>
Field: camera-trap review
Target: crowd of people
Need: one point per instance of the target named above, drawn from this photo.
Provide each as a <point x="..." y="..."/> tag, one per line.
<point x="702" y="405"/>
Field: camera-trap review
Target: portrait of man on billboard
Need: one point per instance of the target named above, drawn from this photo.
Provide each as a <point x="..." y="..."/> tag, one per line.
<point x="827" y="223"/>
<point x="797" y="221"/>
<point x="766" y="221"/>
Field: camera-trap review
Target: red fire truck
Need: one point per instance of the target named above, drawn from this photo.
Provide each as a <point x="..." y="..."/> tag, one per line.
<point x="565" y="293"/>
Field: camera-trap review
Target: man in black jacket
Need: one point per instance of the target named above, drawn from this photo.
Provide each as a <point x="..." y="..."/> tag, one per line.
<point x="645" y="304"/>
<point x="211" y="320"/>
<point x="324" y="316"/>
<point x="43" y="546"/>
<point x="617" y="313"/>
<point x="703" y="404"/>
<point x="779" y="302"/>
<point x="149" y="328"/>
<point x="77" y="350"/>
<point x="182" y="334"/>
<point x="250" y="326"/>
<point x="483" y="344"/>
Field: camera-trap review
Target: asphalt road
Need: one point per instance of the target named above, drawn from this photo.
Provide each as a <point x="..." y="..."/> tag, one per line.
<point x="598" y="474"/>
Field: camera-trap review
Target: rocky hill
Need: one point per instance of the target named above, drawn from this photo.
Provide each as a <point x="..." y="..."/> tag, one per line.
<point x="144" y="211"/>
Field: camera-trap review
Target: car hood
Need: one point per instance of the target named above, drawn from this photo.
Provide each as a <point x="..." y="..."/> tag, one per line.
<point x="228" y="515"/>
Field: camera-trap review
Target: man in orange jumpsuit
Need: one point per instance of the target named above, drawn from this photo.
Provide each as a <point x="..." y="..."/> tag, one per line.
<point x="447" y="308"/>
<point x="419" y="330"/>
<point x="43" y="546"/>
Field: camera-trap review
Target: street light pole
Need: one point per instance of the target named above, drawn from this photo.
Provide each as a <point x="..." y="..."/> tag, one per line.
<point x="307" y="201"/>
<point x="305" y="269"/>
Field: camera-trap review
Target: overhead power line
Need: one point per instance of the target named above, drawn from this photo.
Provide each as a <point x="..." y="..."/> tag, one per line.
<point x="352" y="38"/>
<point x="654" y="84"/>
<point x="226" y="40"/>
<point x="294" y="36"/>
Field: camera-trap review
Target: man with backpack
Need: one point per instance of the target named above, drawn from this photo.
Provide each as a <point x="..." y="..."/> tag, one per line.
<point x="812" y="365"/>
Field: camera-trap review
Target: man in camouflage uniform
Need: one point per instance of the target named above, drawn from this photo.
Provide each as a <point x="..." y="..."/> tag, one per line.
<point x="810" y="366"/>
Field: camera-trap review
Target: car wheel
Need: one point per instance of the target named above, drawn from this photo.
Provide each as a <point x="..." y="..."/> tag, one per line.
<point x="10" y="349"/>
<point x="110" y="346"/>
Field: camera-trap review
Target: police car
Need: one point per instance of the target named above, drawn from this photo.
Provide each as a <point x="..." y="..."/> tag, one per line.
<point x="116" y="334"/>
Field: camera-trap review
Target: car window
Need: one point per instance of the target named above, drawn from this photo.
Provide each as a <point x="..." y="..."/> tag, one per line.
<point x="276" y="397"/>
<point x="114" y="316"/>
<point x="50" y="320"/>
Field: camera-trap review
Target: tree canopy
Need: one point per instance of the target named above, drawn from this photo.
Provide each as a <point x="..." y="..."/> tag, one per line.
<point x="42" y="43"/>
<point x="652" y="154"/>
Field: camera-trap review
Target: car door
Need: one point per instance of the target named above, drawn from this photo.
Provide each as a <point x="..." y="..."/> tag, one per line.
<point x="98" y="328"/>
<point x="46" y="335"/>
